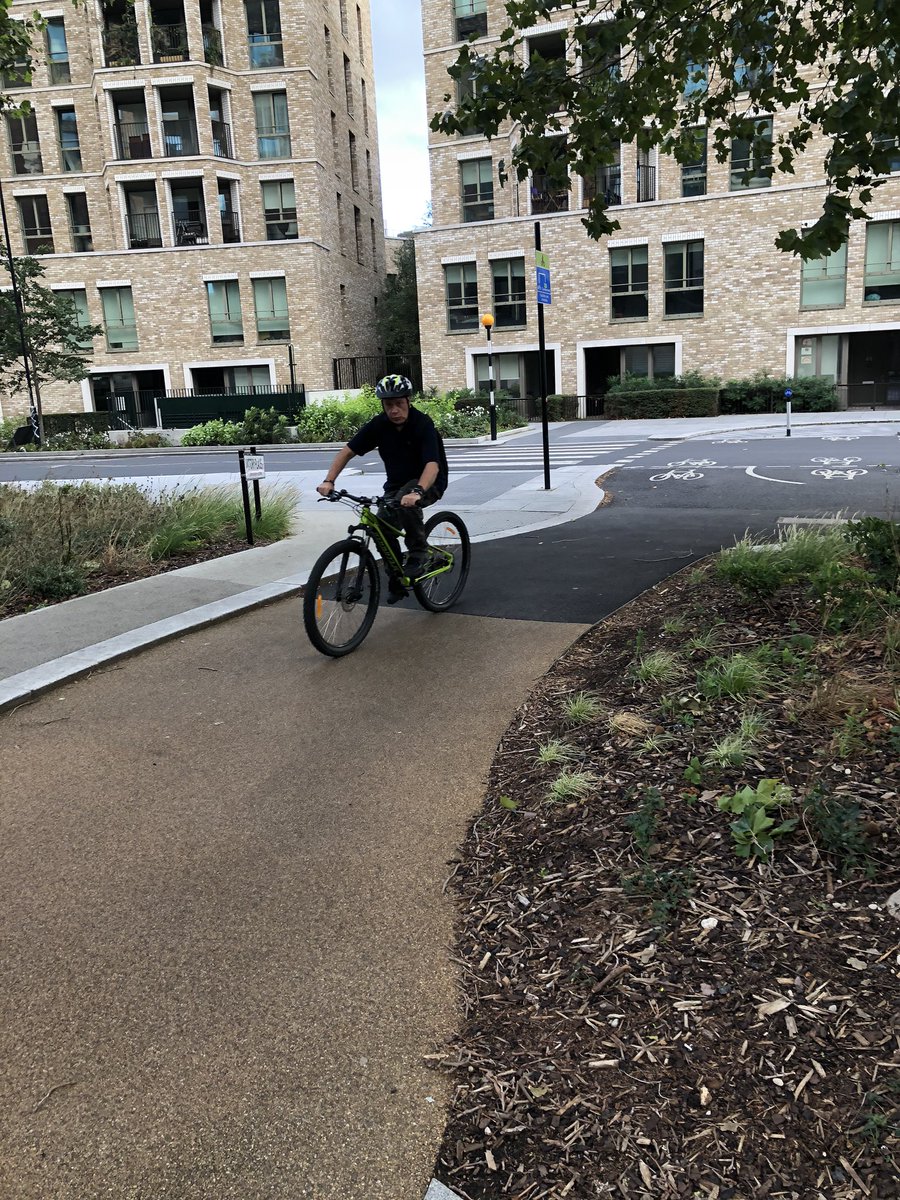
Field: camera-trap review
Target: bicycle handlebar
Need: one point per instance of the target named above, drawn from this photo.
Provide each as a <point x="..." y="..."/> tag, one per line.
<point x="337" y="494"/>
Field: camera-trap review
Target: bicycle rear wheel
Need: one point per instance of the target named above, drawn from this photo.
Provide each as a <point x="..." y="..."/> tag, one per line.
<point x="448" y="540"/>
<point x="341" y="598"/>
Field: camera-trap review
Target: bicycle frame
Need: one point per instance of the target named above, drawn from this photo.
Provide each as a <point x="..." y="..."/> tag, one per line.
<point x="374" y="529"/>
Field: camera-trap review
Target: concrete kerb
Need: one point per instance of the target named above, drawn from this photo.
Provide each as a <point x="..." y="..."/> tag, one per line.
<point x="799" y="421"/>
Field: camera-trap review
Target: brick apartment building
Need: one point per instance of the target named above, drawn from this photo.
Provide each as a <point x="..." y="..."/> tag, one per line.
<point x="202" y="179"/>
<point x="691" y="281"/>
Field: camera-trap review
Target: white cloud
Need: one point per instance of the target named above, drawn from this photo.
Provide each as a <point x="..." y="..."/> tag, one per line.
<point x="401" y="112"/>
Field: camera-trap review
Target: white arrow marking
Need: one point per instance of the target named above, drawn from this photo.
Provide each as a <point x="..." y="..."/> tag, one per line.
<point x="751" y="471"/>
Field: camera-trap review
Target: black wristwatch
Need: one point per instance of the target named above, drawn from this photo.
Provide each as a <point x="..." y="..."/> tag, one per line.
<point x="418" y="488"/>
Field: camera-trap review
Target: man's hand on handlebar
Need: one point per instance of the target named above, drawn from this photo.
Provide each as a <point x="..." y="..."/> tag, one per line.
<point x="410" y="500"/>
<point x="325" y="488"/>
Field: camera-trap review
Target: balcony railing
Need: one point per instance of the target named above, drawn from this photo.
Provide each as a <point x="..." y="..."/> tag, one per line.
<point x="170" y="43"/>
<point x="693" y="180"/>
<point x="58" y="71"/>
<point x="281" y="225"/>
<point x="38" y="240"/>
<point x="82" y="239"/>
<point x="543" y="201"/>
<point x="230" y="229"/>
<point x="212" y="46"/>
<point x="646" y="183"/>
<point x="120" y="45"/>
<point x="190" y="232"/>
<point x="273" y="142"/>
<point x="605" y="182"/>
<point x="26" y="158"/>
<point x="180" y="138"/>
<point x="222" y="144"/>
<point x="133" y="140"/>
<point x="265" y="51"/>
<point x="144" y="230"/>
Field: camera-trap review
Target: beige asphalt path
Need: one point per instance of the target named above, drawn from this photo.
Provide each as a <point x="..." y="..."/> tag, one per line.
<point x="225" y="939"/>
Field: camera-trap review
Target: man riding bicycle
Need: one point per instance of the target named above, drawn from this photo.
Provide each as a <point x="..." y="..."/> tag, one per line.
<point x="416" y="465"/>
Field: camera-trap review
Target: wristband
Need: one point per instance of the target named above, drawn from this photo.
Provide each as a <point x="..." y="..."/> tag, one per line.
<point x="418" y="488"/>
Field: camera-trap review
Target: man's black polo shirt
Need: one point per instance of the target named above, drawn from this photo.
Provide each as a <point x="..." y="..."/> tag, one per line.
<point x="403" y="451"/>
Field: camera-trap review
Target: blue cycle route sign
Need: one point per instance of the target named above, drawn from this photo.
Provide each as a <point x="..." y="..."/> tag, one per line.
<point x="542" y="270"/>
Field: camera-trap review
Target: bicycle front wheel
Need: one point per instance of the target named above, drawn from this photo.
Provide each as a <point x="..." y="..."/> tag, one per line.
<point x="341" y="598"/>
<point x="442" y="581"/>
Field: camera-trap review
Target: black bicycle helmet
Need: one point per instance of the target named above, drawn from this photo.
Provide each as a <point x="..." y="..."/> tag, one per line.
<point x="393" y="387"/>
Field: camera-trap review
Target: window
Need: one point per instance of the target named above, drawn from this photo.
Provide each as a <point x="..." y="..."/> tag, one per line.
<point x="470" y="19"/>
<point x="374" y="244"/>
<point x="818" y="356"/>
<point x="219" y="125"/>
<point x="369" y="172"/>
<point x="34" y="213"/>
<point x="264" y="33"/>
<point x="751" y="158"/>
<point x="79" y="222"/>
<point x="118" y="318"/>
<point x="548" y="196"/>
<point x="466" y="89"/>
<point x="509" y="374"/>
<point x="823" y="280"/>
<point x="354" y="166"/>
<point x="328" y="59"/>
<point x="280" y="210"/>
<point x="69" y="147"/>
<point x="179" y="124"/>
<point x="343" y="8"/>
<point x="462" y="296"/>
<point x="477" y="185"/>
<point x="348" y="85"/>
<point x="693" y="173"/>
<point x="365" y="105"/>
<point x="273" y="133"/>
<point x="547" y="56"/>
<point x="357" y="233"/>
<point x="606" y="182"/>
<point x="508" y="276"/>
<point x="684" y="278"/>
<point x="78" y="298"/>
<point x="882" y="281"/>
<point x="655" y="361"/>
<point x="342" y="234"/>
<point x="359" y="35"/>
<point x="224" y="299"/>
<point x="646" y="177"/>
<point x="697" y="79"/>
<point x="24" y="144"/>
<point x="270" y="303"/>
<point x="57" y="51"/>
<point x="628" y="282"/>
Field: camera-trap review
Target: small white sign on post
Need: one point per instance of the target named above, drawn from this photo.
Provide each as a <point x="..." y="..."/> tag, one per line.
<point x="255" y="466"/>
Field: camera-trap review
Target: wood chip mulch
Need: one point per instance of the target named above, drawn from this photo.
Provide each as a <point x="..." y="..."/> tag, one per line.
<point x="646" y="1014"/>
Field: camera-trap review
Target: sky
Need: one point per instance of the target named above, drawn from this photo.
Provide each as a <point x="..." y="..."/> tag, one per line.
<point x="401" y="113"/>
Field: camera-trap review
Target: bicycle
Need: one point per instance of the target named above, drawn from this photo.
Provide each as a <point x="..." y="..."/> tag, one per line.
<point x="341" y="596"/>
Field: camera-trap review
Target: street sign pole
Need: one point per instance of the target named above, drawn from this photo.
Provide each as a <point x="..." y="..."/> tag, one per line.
<point x="542" y="351"/>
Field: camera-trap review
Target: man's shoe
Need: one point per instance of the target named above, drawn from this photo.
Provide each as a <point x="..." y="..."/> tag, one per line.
<point x="415" y="562"/>
<point x="396" y="591"/>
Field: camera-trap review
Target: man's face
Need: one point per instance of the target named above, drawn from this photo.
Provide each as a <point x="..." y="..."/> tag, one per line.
<point x="397" y="410"/>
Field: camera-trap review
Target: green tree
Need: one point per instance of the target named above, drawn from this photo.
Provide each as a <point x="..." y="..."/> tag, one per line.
<point x="653" y="73"/>
<point x="15" y="48"/>
<point x="58" y="345"/>
<point x="398" y="308"/>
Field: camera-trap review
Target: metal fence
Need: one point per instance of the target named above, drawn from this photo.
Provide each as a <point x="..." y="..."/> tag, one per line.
<point x="181" y="408"/>
<point x="352" y="373"/>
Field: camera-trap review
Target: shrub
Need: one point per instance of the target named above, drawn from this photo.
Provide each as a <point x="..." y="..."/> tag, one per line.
<point x="75" y="441"/>
<point x="214" y="433"/>
<point x="765" y="393"/>
<point x="878" y="541"/>
<point x="146" y="441"/>
<point x="266" y="427"/>
<point x="661" y="402"/>
<point x="561" y="408"/>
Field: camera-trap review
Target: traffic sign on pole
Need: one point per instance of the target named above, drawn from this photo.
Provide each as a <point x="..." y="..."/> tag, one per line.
<point x="542" y="273"/>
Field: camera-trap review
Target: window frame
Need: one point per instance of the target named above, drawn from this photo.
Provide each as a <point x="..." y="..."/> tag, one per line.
<point x="513" y="302"/>
<point x="758" y="165"/>
<point x="86" y="233"/>
<point x="483" y="198"/>
<point x="271" y="221"/>
<point x="822" y="270"/>
<point x="473" y="12"/>
<point x="892" y="257"/>
<point x="465" y="302"/>
<point x="276" y="333"/>
<point x="81" y="311"/>
<point x="72" y="149"/>
<point x="687" y="285"/>
<point x="230" y="292"/>
<point x="124" y="310"/>
<point x="36" y="240"/>
<point x="265" y="37"/>
<point x="276" y="133"/>
<point x="628" y="289"/>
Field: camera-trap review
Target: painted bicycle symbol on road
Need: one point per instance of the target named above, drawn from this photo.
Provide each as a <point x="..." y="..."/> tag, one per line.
<point x="693" y="462"/>
<point x="833" y="473"/>
<point x="841" y="437"/>
<point x="835" y="462"/>
<point x="684" y="474"/>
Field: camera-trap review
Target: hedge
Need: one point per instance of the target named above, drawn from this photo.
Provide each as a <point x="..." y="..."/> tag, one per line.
<point x="662" y="402"/>
<point x="765" y="393"/>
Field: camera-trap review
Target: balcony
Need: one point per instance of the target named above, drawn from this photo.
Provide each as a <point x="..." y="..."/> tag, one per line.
<point x="26" y="158"/>
<point x="58" y="71"/>
<point x="646" y="183"/>
<point x="120" y="44"/>
<point x="133" y="140"/>
<point x="190" y="231"/>
<point x="222" y="144"/>
<point x="170" y="43"/>
<point x="144" y="230"/>
<point x="231" y="231"/>
<point x="605" y="182"/>
<point x="180" y="138"/>
<point x="212" y="46"/>
<point x="545" y="201"/>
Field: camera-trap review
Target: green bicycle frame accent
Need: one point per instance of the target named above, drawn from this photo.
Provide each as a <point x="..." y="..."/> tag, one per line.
<point x="374" y="527"/>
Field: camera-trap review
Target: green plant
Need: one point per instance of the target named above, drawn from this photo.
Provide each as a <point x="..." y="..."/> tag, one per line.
<point x="765" y="393"/>
<point x="54" y="581"/>
<point x="674" y="626"/>
<point x="878" y="541"/>
<point x="736" y="675"/>
<point x="704" y="642"/>
<point x="581" y="707"/>
<point x="666" y="890"/>
<point x="850" y="738"/>
<point x="654" y="743"/>
<point x="146" y="441"/>
<point x="733" y="749"/>
<point x="754" y="831"/>
<point x="835" y="825"/>
<point x="642" y="822"/>
<point x="213" y="433"/>
<point x="658" y="666"/>
<point x="554" y="751"/>
<point x="266" y="427"/>
<point x="693" y="772"/>
<point x="570" y="785"/>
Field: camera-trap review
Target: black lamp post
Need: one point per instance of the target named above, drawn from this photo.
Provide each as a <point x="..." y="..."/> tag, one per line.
<point x="488" y="322"/>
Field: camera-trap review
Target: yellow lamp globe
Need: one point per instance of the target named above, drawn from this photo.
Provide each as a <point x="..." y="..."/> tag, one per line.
<point x="487" y="320"/>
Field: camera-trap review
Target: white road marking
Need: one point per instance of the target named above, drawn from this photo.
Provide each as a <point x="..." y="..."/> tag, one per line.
<point x="751" y="471"/>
